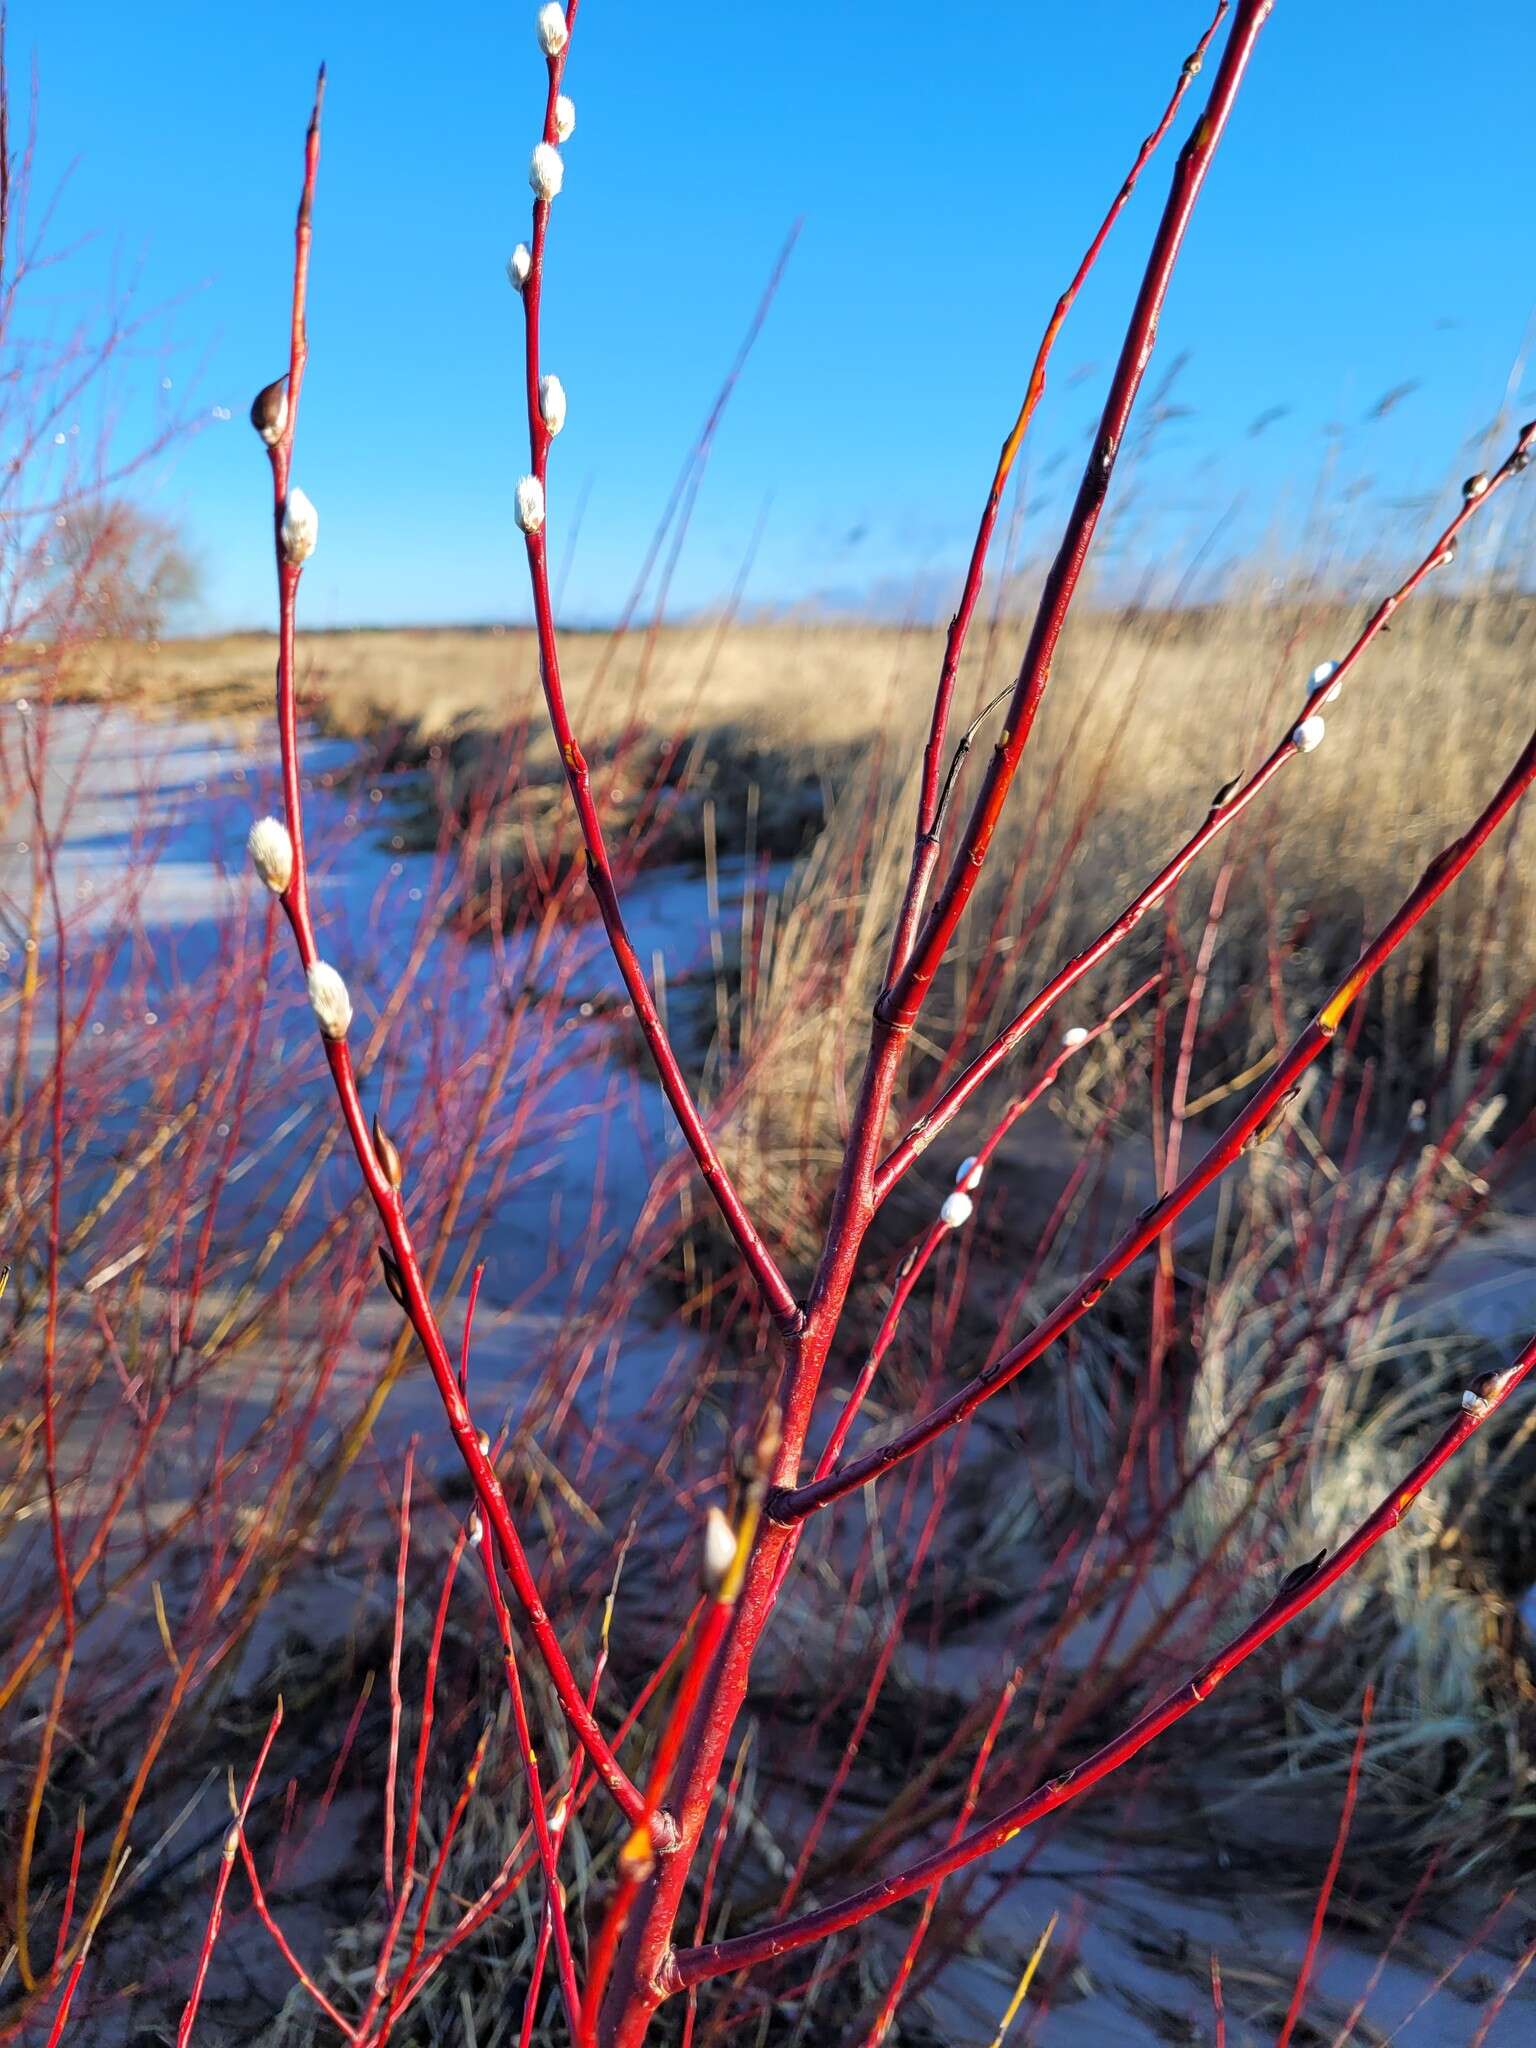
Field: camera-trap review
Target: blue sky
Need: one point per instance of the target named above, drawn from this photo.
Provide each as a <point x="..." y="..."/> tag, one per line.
<point x="1368" y="224"/>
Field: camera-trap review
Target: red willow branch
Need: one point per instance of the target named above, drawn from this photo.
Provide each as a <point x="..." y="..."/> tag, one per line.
<point x="932" y="795"/>
<point x="1269" y="1103"/>
<point x="901" y="1001"/>
<point x="227" y="1855"/>
<point x="1229" y="804"/>
<point x="279" y="856"/>
<point x="967" y="1179"/>
<point x="691" y="1966"/>
<point x="546" y="415"/>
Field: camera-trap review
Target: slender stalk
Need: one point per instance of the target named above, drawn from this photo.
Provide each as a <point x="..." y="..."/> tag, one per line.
<point x="1330" y="1877"/>
<point x="227" y="1855"/>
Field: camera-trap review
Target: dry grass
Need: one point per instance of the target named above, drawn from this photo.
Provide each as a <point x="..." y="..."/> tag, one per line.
<point x="791" y="725"/>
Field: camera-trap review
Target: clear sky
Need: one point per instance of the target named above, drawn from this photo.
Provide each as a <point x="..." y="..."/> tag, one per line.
<point x="1369" y="224"/>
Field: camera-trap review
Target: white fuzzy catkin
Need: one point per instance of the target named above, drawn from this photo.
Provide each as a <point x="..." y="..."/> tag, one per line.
<point x="565" y="117"/>
<point x="546" y="173"/>
<point x="301" y="527"/>
<point x="519" y="266"/>
<point x="552" y="403"/>
<point x="719" y="1549"/>
<point x="551" y="29"/>
<point x="1308" y="734"/>
<point x="1078" y="1035"/>
<point x="530" y="504"/>
<point x="329" y="1000"/>
<point x="271" y="852"/>
<point x="968" y="1174"/>
<point x="958" y="1208"/>
<point x="1320" y="675"/>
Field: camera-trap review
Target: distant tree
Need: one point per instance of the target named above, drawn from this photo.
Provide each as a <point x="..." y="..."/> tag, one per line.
<point x="121" y="571"/>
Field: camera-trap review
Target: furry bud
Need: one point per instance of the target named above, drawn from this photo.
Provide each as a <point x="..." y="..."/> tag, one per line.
<point x="552" y="404"/>
<point x="301" y="527"/>
<point x="546" y="173"/>
<point x="565" y="117"/>
<point x="1308" y="735"/>
<point x="329" y="1000"/>
<point x="519" y="266"/>
<point x="1474" y="487"/>
<point x="530" y="504"/>
<point x="269" y="411"/>
<point x="475" y="1530"/>
<point x="968" y="1174"/>
<point x="1071" y="1040"/>
<point x="958" y="1208"/>
<point x="550" y="27"/>
<point x="271" y="852"/>
<point x="1322" y="674"/>
<point x="719" y="1550"/>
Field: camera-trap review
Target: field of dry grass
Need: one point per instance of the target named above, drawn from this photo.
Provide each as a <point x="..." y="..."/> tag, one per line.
<point x="786" y="731"/>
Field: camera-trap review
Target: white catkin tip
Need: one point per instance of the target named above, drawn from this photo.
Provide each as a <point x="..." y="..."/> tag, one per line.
<point x="271" y="852"/>
<point x="957" y="1209"/>
<point x="565" y="117"/>
<point x="1323" y="673"/>
<point x="546" y="173"/>
<point x="530" y="504"/>
<point x="1473" y="1402"/>
<point x="968" y="1173"/>
<point x="1078" y="1035"/>
<point x="552" y="32"/>
<point x="301" y="527"/>
<point x="719" y="1549"/>
<point x="231" y="1844"/>
<point x="476" y="1532"/>
<point x="519" y="265"/>
<point x="329" y="1000"/>
<point x="1308" y="734"/>
<point x="552" y="403"/>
